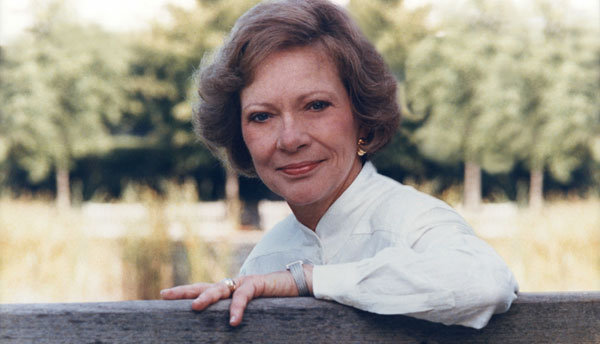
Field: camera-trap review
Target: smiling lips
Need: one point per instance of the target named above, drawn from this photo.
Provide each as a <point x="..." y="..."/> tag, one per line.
<point x="299" y="168"/>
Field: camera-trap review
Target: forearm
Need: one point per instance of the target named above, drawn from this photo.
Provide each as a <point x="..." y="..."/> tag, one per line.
<point x="308" y="274"/>
<point x="447" y="285"/>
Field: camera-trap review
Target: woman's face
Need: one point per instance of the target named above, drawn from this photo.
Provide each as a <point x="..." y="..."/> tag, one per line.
<point x="298" y="125"/>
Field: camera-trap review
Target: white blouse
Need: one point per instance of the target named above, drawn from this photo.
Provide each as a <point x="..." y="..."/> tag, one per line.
<point x="387" y="248"/>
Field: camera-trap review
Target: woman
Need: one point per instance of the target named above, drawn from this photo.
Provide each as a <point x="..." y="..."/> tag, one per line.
<point x="298" y="97"/>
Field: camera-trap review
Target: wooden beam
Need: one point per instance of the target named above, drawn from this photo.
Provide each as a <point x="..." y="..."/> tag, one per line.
<point x="533" y="318"/>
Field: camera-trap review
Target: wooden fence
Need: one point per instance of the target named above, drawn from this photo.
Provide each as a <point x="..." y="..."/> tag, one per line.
<point x="533" y="318"/>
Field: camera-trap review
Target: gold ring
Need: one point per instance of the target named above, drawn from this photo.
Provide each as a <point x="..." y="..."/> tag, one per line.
<point x="230" y="283"/>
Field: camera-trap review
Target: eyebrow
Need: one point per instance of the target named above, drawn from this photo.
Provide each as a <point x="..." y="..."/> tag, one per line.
<point x="312" y="93"/>
<point x="267" y="105"/>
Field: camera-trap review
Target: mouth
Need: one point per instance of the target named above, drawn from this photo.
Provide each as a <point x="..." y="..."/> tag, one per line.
<point x="297" y="169"/>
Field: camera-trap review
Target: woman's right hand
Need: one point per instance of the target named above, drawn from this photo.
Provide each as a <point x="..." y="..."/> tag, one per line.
<point x="277" y="284"/>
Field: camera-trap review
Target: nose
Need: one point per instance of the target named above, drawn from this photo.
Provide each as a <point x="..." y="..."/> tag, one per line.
<point x="292" y="135"/>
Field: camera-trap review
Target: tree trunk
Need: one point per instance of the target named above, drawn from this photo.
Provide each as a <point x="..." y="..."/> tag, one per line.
<point x="232" y="197"/>
<point x="536" y="189"/>
<point x="63" y="190"/>
<point x="472" y="186"/>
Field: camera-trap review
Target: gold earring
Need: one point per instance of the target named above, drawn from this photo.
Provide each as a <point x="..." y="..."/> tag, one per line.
<point x="361" y="151"/>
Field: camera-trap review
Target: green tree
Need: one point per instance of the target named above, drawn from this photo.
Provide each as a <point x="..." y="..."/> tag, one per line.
<point x="561" y="127"/>
<point x="544" y="99"/>
<point x="162" y="89"/>
<point x="442" y="80"/>
<point x="394" y="29"/>
<point x="494" y="91"/>
<point x="61" y="87"/>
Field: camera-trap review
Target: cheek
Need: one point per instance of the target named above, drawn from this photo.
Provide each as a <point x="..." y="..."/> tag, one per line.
<point x="349" y="129"/>
<point x="255" y="142"/>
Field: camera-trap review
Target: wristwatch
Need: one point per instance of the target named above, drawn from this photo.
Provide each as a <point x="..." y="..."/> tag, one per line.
<point x="298" y="273"/>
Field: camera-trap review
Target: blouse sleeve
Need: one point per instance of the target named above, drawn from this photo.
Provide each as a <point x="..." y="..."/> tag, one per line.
<point x="440" y="272"/>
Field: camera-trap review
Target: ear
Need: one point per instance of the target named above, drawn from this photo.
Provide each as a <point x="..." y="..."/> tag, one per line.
<point x="365" y="134"/>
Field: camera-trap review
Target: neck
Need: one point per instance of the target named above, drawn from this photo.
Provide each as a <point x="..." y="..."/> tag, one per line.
<point x="310" y="214"/>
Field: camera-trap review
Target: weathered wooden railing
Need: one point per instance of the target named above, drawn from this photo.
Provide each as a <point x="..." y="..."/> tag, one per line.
<point x="533" y="318"/>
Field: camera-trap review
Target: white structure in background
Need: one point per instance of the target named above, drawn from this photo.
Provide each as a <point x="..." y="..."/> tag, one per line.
<point x="206" y="219"/>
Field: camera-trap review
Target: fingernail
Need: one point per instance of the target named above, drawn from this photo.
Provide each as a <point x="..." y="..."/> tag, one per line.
<point x="232" y="319"/>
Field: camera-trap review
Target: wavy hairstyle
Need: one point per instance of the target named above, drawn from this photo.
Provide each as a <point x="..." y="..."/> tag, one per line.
<point x="277" y="25"/>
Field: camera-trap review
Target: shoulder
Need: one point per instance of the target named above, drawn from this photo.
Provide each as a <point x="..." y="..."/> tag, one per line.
<point x="406" y="211"/>
<point x="400" y="201"/>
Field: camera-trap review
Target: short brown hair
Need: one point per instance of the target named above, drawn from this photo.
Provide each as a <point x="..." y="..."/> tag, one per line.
<point x="277" y="25"/>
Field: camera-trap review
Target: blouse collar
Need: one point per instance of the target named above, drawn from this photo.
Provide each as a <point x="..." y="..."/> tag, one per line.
<point x="342" y="217"/>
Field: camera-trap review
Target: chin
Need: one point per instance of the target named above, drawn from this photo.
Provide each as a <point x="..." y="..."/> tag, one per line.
<point x="302" y="199"/>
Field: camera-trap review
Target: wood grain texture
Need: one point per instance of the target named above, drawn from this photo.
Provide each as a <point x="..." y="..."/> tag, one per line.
<point x="533" y="318"/>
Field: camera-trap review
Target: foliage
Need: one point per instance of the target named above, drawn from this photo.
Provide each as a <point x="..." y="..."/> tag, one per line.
<point x="61" y="87"/>
<point x="566" y="115"/>
<point x="497" y="91"/>
<point x="394" y="30"/>
<point x="391" y="27"/>
<point x="486" y="82"/>
<point x="448" y="77"/>
<point x="161" y="91"/>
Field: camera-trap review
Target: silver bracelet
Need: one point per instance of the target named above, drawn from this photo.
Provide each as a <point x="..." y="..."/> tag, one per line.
<point x="298" y="273"/>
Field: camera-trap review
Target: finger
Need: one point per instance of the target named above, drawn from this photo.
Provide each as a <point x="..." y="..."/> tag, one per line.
<point x="239" y="301"/>
<point x="190" y="291"/>
<point x="211" y="295"/>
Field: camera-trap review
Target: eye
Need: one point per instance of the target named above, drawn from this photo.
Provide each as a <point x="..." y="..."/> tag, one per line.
<point x="259" y="117"/>
<point x="318" y="105"/>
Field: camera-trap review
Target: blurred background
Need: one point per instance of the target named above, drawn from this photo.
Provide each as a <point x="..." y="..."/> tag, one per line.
<point x="105" y="193"/>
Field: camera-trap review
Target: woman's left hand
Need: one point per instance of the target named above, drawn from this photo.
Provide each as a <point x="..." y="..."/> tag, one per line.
<point x="277" y="284"/>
